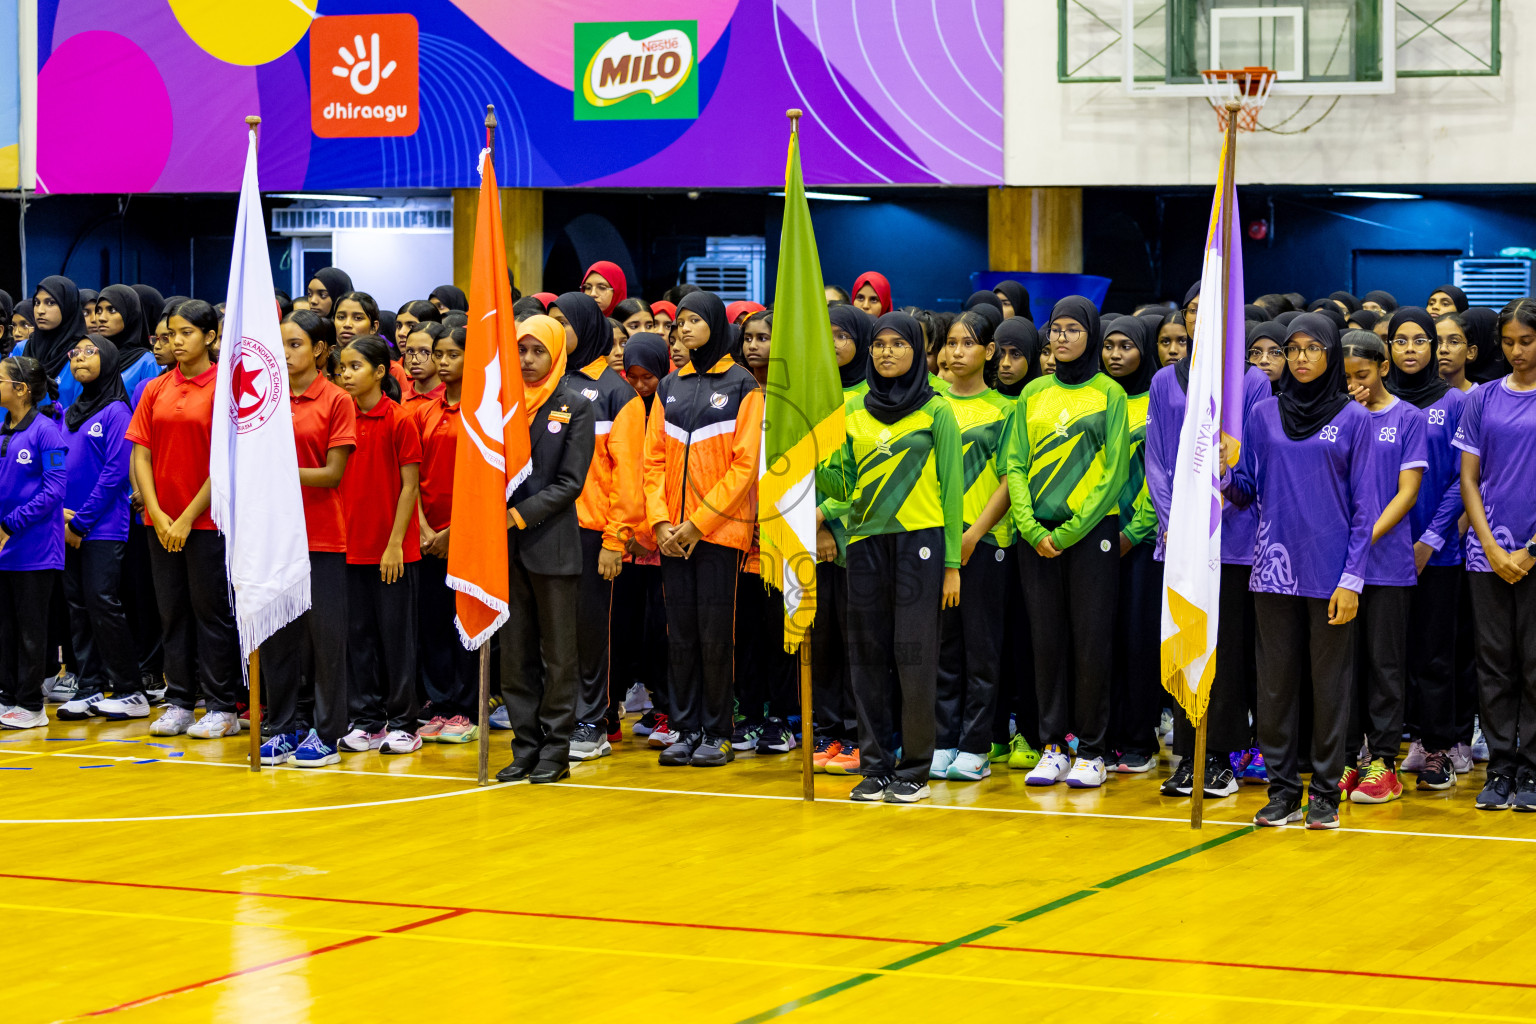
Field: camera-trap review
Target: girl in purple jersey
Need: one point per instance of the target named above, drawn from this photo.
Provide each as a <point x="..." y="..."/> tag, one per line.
<point x="1396" y="464"/>
<point x="1304" y="460"/>
<point x="1498" y="463"/>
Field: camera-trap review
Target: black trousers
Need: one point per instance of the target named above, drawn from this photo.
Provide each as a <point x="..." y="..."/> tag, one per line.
<point x="1294" y="634"/>
<point x="139" y="603"/>
<point x="638" y="636"/>
<point x="831" y="685"/>
<point x="1136" y="688"/>
<point x="1016" y="696"/>
<point x="25" y="596"/>
<point x="449" y="673"/>
<point x="971" y="654"/>
<point x="700" y="593"/>
<point x="895" y="585"/>
<point x="767" y="675"/>
<point x="594" y="610"/>
<point x="1234" y="687"/>
<point x="197" y="623"/>
<point x="307" y="658"/>
<point x="1071" y="604"/>
<point x="540" y="665"/>
<point x="1505" y="616"/>
<point x="381" y="649"/>
<point x="1467" y="689"/>
<point x="1431" y="632"/>
<point x="1381" y="672"/>
<point x="105" y="658"/>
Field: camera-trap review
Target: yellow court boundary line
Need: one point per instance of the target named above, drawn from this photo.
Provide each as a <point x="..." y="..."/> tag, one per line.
<point x="418" y="936"/>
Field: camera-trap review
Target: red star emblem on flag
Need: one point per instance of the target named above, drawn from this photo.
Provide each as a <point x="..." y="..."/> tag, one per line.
<point x="243" y="379"/>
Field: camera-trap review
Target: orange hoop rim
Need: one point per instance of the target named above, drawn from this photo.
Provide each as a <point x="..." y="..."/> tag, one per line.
<point x="1249" y="87"/>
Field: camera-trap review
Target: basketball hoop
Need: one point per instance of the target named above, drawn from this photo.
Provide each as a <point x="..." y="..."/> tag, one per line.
<point x="1247" y="87"/>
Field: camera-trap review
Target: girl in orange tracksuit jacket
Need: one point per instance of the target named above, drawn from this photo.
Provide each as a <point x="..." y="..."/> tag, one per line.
<point x="608" y="510"/>
<point x="701" y="451"/>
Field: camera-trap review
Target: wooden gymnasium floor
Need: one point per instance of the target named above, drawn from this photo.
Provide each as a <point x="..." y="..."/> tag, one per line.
<point x="150" y="880"/>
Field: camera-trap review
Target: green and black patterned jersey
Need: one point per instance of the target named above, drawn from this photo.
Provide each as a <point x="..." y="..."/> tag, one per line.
<point x="985" y="421"/>
<point x="902" y="476"/>
<point x="1069" y="457"/>
<point x="1138" y="517"/>
<point x="834" y="511"/>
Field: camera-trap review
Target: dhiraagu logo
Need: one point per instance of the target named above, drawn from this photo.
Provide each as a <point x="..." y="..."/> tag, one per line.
<point x="636" y="70"/>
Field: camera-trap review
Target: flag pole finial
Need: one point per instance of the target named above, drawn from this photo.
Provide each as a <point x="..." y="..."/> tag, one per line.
<point x="490" y="115"/>
<point x="253" y="123"/>
<point x="793" y="113"/>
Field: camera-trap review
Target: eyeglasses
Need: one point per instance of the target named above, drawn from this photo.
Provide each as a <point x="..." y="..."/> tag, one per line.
<point x="1256" y="354"/>
<point x="1064" y="333"/>
<point x="1311" y="353"/>
<point x="893" y="345"/>
<point x="83" y="351"/>
<point x="416" y="354"/>
<point x="1406" y="342"/>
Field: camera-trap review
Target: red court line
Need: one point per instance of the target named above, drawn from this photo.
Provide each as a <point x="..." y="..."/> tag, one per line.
<point x="454" y="911"/>
<point x="359" y="940"/>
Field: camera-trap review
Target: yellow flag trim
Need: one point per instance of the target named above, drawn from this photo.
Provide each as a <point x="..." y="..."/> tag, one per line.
<point x="778" y="544"/>
<point x="1182" y="648"/>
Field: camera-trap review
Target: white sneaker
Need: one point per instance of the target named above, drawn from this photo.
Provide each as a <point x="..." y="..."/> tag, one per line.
<point x="215" y="725"/>
<point x="1086" y="773"/>
<point x="1461" y="759"/>
<point x="942" y="758"/>
<point x="969" y="768"/>
<point x="59" y="689"/>
<point x="637" y="699"/>
<point x="21" y="718"/>
<point x="400" y="742"/>
<point x="173" y="723"/>
<point x="118" y="708"/>
<point x="360" y="741"/>
<point x="1479" y="744"/>
<point x="1415" y="759"/>
<point x="1053" y="767"/>
<point x="80" y="708"/>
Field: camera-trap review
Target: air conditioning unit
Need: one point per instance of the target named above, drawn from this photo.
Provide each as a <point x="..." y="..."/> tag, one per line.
<point x="1493" y="282"/>
<point x="733" y="267"/>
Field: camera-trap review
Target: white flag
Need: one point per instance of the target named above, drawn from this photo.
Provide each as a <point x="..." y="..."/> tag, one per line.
<point x="253" y="467"/>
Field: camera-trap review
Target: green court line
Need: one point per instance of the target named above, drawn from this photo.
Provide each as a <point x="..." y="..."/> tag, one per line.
<point x="993" y="929"/>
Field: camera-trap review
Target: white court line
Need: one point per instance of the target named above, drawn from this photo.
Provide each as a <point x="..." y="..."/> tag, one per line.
<point x="245" y="814"/>
<point x="352" y="774"/>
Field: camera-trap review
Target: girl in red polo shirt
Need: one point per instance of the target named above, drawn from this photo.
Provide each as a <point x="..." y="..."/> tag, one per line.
<point x="378" y="495"/>
<point x="357" y="316"/>
<point x="448" y="671"/>
<point x="171" y="431"/>
<point x="314" y="646"/>
<point x="421" y="364"/>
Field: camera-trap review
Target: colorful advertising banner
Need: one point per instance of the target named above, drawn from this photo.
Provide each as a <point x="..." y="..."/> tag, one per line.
<point x="610" y="93"/>
<point x="10" y="97"/>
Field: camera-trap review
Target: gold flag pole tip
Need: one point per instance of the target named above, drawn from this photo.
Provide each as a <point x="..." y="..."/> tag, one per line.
<point x="793" y="113"/>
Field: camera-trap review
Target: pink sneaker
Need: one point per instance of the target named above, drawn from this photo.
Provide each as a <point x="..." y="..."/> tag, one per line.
<point x="432" y="730"/>
<point x="457" y="729"/>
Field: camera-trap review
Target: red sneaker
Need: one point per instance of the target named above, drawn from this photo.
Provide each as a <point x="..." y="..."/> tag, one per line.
<point x="1378" y="785"/>
<point x="1348" y="781"/>
<point x="845" y="763"/>
<point x="826" y="750"/>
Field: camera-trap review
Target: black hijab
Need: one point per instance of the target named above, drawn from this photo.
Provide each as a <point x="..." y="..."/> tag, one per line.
<point x="454" y="297"/>
<point x="1325" y="307"/>
<point x="1270" y="329"/>
<point x="1458" y="296"/>
<point x="982" y="297"/>
<point x="1366" y="318"/>
<point x="1255" y="313"/>
<point x="133" y="340"/>
<point x="96" y="395"/>
<point x="1021" y="334"/>
<point x="649" y="352"/>
<point x="1018" y="298"/>
<point x="7" y="306"/>
<point x="51" y="347"/>
<point x="153" y="305"/>
<point x="709" y="307"/>
<point x="987" y="311"/>
<point x="1284" y="319"/>
<point x="1190" y="295"/>
<point x="1424" y="388"/>
<point x="1140" y="379"/>
<point x="861" y="328"/>
<point x="1386" y="300"/>
<point x="1081" y="369"/>
<point x="594" y="338"/>
<point x="1307" y="408"/>
<point x="337" y="283"/>
<point x="891" y="398"/>
<point x="1350" y="302"/>
<point x="1482" y="331"/>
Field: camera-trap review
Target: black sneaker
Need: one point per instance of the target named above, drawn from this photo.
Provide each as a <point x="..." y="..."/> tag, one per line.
<point x="1525" y="790"/>
<point x="871" y="789"/>
<point x="776" y="737"/>
<point x="712" y="752"/>
<point x="1496" y="793"/>
<point x="1281" y="810"/>
<point x="905" y="791"/>
<point x="1182" y="781"/>
<point x="1219" y="779"/>
<point x="1322" y="813"/>
<point x="681" y="752"/>
<point x="1437" y="773"/>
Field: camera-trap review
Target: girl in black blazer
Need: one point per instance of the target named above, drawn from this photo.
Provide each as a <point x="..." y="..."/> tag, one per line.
<point x="538" y="642"/>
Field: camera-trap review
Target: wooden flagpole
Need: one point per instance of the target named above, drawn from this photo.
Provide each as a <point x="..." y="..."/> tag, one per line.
<point x="253" y="124"/>
<point x="803" y="654"/>
<point x="483" y="777"/>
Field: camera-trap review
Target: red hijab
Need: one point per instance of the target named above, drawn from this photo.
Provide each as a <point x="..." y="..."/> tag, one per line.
<point x="544" y="297"/>
<point x="881" y="286"/>
<point x="664" y="307"/>
<point x="611" y="273"/>
<point x="736" y="310"/>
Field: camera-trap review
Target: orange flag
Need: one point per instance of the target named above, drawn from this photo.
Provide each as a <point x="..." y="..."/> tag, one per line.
<point x="493" y="454"/>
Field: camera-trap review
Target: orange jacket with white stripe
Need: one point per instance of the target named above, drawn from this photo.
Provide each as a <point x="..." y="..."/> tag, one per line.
<point x="613" y="500"/>
<point x="701" y="449"/>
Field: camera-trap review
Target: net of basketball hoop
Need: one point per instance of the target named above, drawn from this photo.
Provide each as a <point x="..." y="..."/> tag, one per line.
<point x="1246" y="87"/>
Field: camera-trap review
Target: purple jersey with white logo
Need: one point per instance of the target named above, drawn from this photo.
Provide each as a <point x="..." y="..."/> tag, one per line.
<point x="1498" y="425"/>
<point x="1314" y="530"/>
<point x="1397" y="443"/>
<point x="1437" y="513"/>
<point x="97" y="488"/>
<point x="32" y="493"/>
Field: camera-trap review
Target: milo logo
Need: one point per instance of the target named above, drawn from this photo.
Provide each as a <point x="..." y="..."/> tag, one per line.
<point x="643" y="70"/>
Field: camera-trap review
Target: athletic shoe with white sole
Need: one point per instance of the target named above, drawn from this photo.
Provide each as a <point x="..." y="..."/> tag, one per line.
<point x="588" y="743"/>
<point x="1220" y="780"/>
<point x="943" y="757"/>
<point x="1322" y="813"/>
<point x="1525" y="791"/>
<point x="79" y="709"/>
<point x="215" y="725"/>
<point x="1021" y="756"/>
<point x="1087" y="773"/>
<point x="22" y="718"/>
<point x="400" y="742"/>
<point x="636" y="698"/>
<point x="1479" y="744"/>
<point x="1497" y="794"/>
<point x="432" y="729"/>
<point x="118" y="709"/>
<point x="1053" y="767"/>
<point x="663" y="735"/>
<point x="279" y="749"/>
<point x="905" y="791"/>
<point x="1182" y="781"/>
<point x="968" y="767"/>
<point x="1416" y="755"/>
<point x="360" y="741"/>
<point x="173" y="722"/>
<point x="1134" y="764"/>
<point x="499" y="720"/>
<point x="1279" y="811"/>
<point x="1461" y="758"/>
<point x="871" y="790"/>
<point x="60" y="689"/>
<point x="315" y="752"/>
<point x="458" y="729"/>
<point x="777" y="737"/>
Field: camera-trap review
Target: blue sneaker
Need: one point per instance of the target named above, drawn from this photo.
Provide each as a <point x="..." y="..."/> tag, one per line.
<point x="1254" y="771"/>
<point x="279" y="749"/>
<point x="315" y="752"/>
<point x="499" y="719"/>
